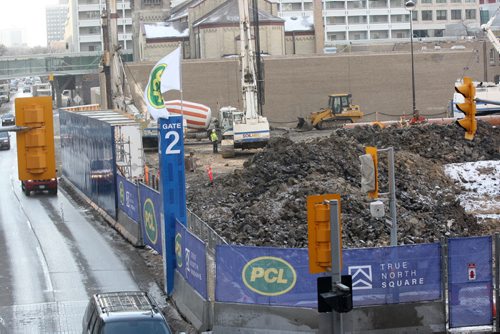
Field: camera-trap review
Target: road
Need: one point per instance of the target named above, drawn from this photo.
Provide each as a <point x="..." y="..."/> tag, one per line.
<point x="55" y="255"/>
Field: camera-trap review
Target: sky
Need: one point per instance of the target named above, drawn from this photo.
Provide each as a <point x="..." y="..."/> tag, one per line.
<point x="28" y="15"/>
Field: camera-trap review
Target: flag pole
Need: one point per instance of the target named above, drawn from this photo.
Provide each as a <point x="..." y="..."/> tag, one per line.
<point x="180" y="80"/>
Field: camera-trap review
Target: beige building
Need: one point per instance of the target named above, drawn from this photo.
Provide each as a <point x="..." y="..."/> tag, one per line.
<point x="210" y="29"/>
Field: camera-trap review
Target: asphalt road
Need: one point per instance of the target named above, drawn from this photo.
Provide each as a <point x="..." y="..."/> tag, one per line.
<point x="55" y="255"/>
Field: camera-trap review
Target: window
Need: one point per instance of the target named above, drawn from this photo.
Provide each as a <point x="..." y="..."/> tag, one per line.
<point x="470" y="1"/>
<point x="456" y="1"/>
<point x="427" y="15"/>
<point x="400" y="18"/>
<point x="379" y="19"/>
<point x="308" y="6"/>
<point x="333" y="20"/>
<point x="335" y="5"/>
<point x="441" y="15"/>
<point x="426" y="1"/>
<point x="358" y="35"/>
<point x="291" y="7"/>
<point x="356" y="4"/>
<point x="379" y="34"/>
<point x="440" y="1"/>
<point x="151" y="2"/>
<point x="357" y="19"/>
<point x="470" y="14"/>
<point x="456" y="14"/>
<point x="439" y="33"/>
<point x="377" y="3"/>
<point x="397" y="4"/>
<point x="492" y="56"/>
<point x="414" y="15"/>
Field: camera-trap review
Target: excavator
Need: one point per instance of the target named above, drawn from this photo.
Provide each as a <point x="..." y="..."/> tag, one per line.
<point x="340" y="111"/>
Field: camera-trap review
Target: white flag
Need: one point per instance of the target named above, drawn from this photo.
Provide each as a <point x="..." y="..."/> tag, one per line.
<point x="164" y="76"/>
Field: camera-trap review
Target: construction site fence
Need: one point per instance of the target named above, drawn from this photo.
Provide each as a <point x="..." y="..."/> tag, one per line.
<point x="142" y="204"/>
<point x="456" y="273"/>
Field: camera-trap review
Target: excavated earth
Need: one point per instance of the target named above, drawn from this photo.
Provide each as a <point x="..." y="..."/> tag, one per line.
<point x="264" y="202"/>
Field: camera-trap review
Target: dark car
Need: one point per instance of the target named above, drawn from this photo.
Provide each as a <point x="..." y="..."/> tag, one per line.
<point x="127" y="312"/>
<point x="8" y="119"/>
<point x="4" y="141"/>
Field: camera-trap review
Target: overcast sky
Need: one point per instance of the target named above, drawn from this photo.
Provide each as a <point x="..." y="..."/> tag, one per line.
<point x="29" y="15"/>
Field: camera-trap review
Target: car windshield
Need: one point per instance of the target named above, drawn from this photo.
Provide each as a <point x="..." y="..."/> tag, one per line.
<point x="4" y="134"/>
<point x="136" y="327"/>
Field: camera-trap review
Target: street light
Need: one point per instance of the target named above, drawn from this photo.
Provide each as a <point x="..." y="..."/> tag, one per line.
<point x="410" y="6"/>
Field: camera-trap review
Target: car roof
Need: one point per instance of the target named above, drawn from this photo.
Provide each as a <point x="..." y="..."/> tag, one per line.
<point x="126" y="304"/>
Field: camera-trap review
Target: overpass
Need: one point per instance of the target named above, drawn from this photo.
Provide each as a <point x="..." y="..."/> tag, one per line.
<point x="57" y="64"/>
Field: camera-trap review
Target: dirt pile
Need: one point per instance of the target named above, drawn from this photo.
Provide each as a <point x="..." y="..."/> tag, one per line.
<point x="264" y="203"/>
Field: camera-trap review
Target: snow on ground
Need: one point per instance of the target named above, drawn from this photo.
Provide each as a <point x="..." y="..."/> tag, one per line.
<point x="480" y="182"/>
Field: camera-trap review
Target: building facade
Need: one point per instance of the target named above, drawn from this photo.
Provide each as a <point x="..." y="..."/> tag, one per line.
<point x="347" y="21"/>
<point x="55" y="17"/>
<point x="83" y="28"/>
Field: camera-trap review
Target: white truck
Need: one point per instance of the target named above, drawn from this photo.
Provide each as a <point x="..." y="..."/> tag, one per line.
<point x="42" y="89"/>
<point x="244" y="129"/>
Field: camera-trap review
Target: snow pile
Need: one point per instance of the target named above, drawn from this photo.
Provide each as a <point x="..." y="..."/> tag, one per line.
<point x="480" y="182"/>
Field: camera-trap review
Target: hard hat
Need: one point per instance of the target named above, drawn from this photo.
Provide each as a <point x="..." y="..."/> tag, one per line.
<point x="213" y="130"/>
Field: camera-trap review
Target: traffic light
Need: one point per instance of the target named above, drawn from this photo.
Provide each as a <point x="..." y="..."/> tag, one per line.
<point x="318" y="229"/>
<point x="468" y="123"/>
<point x="35" y="146"/>
<point x="369" y="172"/>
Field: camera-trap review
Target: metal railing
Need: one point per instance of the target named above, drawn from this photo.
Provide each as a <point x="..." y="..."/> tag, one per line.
<point x="201" y="229"/>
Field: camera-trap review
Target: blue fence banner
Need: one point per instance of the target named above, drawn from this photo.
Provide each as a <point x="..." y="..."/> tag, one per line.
<point x="280" y="276"/>
<point x="128" y="198"/>
<point x="191" y="259"/>
<point x="391" y="275"/>
<point x="151" y="213"/>
<point x="173" y="188"/>
<point x="470" y="281"/>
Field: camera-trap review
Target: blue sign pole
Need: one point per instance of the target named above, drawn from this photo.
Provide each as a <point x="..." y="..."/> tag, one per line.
<point x="173" y="189"/>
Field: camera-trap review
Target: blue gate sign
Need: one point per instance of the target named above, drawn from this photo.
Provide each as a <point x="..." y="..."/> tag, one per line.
<point x="128" y="198"/>
<point x="470" y="281"/>
<point x="191" y="259"/>
<point x="151" y="223"/>
<point x="173" y="188"/>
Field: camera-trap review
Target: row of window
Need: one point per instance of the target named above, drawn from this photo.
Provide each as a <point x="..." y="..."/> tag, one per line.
<point x="425" y="15"/>
<point x="308" y="6"/>
<point x="381" y="34"/>
<point x="442" y="14"/>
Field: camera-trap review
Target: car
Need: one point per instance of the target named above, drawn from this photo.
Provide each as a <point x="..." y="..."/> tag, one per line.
<point x="26" y="89"/>
<point x="123" y="312"/>
<point x="8" y="119"/>
<point x="4" y="141"/>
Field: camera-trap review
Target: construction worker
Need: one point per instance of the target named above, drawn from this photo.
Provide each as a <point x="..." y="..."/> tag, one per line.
<point x="214" y="139"/>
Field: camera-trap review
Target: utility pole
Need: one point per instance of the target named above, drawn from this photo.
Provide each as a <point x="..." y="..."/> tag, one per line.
<point x="258" y="58"/>
<point x="106" y="58"/>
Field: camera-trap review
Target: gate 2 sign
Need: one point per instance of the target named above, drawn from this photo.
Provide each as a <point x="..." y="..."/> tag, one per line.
<point x="173" y="188"/>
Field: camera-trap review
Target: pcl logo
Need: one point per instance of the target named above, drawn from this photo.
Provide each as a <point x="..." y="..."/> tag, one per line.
<point x="122" y="193"/>
<point x="178" y="249"/>
<point x="269" y="276"/>
<point x="153" y="90"/>
<point x="150" y="224"/>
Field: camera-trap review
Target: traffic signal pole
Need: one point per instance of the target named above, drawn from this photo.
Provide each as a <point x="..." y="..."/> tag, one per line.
<point x="336" y="246"/>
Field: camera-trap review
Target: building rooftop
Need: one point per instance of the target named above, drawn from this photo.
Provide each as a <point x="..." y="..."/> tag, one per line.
<point x="301" y="23"/>
<point x="166" y="29"/>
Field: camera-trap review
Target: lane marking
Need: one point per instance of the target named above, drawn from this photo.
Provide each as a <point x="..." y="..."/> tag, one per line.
<point x="45" y="269"/>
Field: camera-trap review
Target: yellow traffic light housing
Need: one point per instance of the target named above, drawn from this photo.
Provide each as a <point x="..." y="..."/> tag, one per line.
<point x="318" y="228"/>
<point x="468" y="123"/>
<point x="35" y="147"/>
